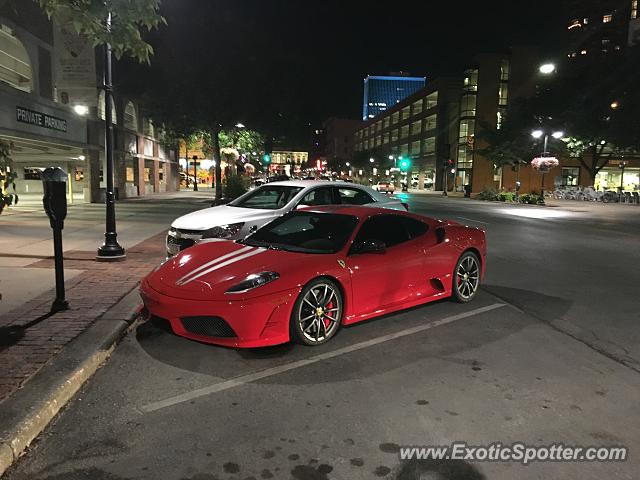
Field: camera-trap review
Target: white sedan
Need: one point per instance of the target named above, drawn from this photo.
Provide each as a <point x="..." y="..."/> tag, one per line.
<point x="254" y="209"/>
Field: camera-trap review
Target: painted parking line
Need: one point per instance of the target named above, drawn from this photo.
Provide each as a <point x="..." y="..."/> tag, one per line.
<point x="270" y="372"/>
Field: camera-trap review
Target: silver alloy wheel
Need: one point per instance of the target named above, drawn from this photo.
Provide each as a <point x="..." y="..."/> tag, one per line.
<point x="468" y="277"/>
<point x="319" y="313"/>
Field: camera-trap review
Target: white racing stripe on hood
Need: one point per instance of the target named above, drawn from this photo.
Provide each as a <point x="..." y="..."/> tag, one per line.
<point x="213" y="262"/>
<point x="223" y="264"/>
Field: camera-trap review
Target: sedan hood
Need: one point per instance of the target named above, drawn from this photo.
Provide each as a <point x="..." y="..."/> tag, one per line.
<point x="220" y="215"/>
<point x="207" y="270"/>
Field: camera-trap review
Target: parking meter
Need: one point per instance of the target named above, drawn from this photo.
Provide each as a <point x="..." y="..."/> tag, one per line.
<point x="518" y="186"/>
<point x="54" y="183"/>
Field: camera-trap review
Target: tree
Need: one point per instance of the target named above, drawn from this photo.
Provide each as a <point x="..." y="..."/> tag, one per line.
<point x="596" y="102"/>
<point x="129" y="20"/>
<point x="510" y="145"/>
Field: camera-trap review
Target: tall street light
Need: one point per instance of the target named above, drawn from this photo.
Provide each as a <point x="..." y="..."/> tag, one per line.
<point x="111" y="249"/>
<point x="538" y="134"/>
<point x="547" y="68"/>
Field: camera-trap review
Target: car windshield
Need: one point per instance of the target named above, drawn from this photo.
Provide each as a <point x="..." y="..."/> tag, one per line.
<point x="267" y="197"/>
<point x="309" y="232"/>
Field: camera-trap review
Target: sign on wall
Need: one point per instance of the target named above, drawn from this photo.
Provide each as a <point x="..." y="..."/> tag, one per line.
<point x="75" y="68"/>
<point x="40" y="119"/>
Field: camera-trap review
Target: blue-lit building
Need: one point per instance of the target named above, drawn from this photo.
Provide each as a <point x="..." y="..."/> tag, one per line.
<point x="383" y="92"/>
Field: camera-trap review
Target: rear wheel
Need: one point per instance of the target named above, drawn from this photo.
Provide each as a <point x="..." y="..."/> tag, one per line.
<point x="466" y="277"/>
<point x="317" y="313"/>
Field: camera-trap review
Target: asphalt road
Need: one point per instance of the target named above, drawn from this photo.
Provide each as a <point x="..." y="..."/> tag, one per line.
<point x="547" y="353"/>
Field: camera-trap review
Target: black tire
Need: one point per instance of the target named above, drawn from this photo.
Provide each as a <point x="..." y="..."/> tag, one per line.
<point x="317" y="313"/>
<point x="466" y="278"/>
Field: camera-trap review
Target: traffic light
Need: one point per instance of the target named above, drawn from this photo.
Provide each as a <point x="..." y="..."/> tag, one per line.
<point x="405" y="163"/>
<point x="266" y="159"/>
<point x="448" y="163"/>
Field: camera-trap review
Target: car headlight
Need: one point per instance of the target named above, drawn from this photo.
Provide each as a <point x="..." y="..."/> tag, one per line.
<point x="223" y="231"/>
<point x="254" y="281"/>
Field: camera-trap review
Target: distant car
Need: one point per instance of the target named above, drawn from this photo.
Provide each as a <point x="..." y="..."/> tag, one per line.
<point x="247" y="213"/>
<point x="307" y="273"/>
<point x="384" y="187"/>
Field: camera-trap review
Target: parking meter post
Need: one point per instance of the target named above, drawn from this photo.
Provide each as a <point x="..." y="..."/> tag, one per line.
<point x="54" y="182"/>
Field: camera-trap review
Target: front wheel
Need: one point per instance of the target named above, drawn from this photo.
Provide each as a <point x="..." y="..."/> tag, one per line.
<point x="317" y="313"/>
<point x="466" y="278"/>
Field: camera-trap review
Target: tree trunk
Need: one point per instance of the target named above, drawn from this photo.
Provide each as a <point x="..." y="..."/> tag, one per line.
<point x="215" y="140"/>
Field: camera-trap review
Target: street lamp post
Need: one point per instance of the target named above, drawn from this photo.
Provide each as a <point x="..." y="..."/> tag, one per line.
<point x="195" y="173"/>
<point x="538" y="134"/>
<point x="111" y="249"/>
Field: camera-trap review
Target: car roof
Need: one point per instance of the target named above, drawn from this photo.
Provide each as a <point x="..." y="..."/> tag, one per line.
<point x="311" y="183"/>
<point x="361" y="211"/>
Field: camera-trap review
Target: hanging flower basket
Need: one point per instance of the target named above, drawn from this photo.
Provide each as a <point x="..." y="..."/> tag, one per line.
<point x="544" y="164"/>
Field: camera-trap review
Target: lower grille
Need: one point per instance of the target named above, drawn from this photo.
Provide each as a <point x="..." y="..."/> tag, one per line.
<point x="208" y="326"/>
<point x="181" y="242"/>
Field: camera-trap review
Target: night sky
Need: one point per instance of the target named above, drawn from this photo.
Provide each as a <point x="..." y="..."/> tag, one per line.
<point x="283" y="64"/>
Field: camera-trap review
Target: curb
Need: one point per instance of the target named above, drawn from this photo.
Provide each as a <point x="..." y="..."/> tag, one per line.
<point x="29" y="410"/>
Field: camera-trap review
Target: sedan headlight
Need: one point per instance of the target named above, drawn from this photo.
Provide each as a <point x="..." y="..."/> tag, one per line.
<point x="223" y="231"/>
<point x="254" y="281"/>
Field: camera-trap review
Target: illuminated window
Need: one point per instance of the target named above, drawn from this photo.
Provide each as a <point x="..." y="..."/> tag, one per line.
<point x="130" y="117"/>
<point x="415" y="148"/>
<point x="395" y="117"/>
<point x="503" y="94"/>
<point x="607" y="18"/>
<point x="634" y="9"/>
<point x="570" y="176"/>
<point x="468" y="105"/>
<point x="102" y="108"/>
<point x="429" y="146"/>
<point x="467" y="130"/>
<point x="416" y="128"/>
<point x="395" y="133"/>
<point x="431" y="100"/>
<point x="574" y="24"/>
<point x="471" y="80"/>
<point x="15" y="66"/>
<point x="404" y="149"/>
<point x="504" y="70"/>
<point x="147" y="127"/>
<point x="583" y="52"/>
<point x="404" y="133"/>
<point x="430" y="123"/>
<point x="417" y="107"/>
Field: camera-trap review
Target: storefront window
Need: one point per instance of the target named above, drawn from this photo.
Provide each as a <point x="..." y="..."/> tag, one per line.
<point x="130" y="175"/>
<point x="570" y="176"/>
<point x="611" y="178"/>
<point x="31" y="173"/>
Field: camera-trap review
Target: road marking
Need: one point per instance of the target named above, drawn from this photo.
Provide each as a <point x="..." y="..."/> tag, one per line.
<point x="472" y="220"/>
<point x="270" y="372"/>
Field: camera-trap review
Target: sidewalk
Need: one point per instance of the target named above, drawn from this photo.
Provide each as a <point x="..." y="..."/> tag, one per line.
<point x="44" y="365"/>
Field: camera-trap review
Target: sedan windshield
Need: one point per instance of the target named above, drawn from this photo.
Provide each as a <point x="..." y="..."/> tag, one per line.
<point x="309" y="232"/>
<point x="267" y="197"/>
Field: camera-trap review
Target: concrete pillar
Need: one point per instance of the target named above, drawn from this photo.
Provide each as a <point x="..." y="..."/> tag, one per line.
<point x="140" y="180"/>
<point x="421" y="181"/>
<point x="156" y="168"/>
<point x="92" y="176"/>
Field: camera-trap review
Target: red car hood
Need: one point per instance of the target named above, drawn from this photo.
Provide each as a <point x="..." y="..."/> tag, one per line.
<point x="207" y="270"/>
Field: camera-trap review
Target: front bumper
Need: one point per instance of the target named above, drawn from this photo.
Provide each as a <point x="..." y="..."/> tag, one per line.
<point x="243" y="323"/>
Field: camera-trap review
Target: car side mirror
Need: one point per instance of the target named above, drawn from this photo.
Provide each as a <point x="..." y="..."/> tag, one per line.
<point x="369" y="246"/>
<point x="300" y="206"/>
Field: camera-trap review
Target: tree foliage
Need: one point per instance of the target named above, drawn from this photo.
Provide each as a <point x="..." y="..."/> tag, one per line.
<point x="130" y="19"/>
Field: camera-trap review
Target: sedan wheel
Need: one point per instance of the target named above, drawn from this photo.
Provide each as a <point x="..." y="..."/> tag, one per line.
<point x="466" y="278"/>
<point x="317" y="313"/>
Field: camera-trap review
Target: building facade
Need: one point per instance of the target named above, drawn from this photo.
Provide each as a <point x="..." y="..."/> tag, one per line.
<point x="339" y="140"/>
<point x="601" y="27"/>
<point x="422" y="128"/>
<point x="52" y="113"/>
<point x="383" y="92"/>
<point x="288" y="162"/>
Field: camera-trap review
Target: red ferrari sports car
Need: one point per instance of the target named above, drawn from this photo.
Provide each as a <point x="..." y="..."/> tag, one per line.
<point x="307" y="273"/>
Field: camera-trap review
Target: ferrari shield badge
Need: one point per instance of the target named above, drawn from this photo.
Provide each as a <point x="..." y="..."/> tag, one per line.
<point x="341" y="263"/>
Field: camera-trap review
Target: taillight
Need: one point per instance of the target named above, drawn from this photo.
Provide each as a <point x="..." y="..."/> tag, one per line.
<point x="405" y="205"/>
